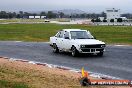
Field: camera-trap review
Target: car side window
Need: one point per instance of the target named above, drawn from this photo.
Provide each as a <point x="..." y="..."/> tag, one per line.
<point x="66" y="35"/>
<point x="60" y="34"/>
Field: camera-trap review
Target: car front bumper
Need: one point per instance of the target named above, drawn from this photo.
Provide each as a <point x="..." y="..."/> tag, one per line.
<point x="91" y="50"/>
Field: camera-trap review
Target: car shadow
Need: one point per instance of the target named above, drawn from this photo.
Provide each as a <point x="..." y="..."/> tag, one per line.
<point x="80" y="56"/>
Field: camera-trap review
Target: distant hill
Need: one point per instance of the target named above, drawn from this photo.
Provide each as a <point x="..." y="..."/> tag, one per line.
<point x="70" y="11"/>
<point x="65" y="11"/>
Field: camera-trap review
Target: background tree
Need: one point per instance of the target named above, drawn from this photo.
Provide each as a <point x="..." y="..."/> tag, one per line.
<point x="21" y="14"/>
<point x="61" y="14"/>
<point x="83" y="15"/>
<point x="14" y="14"/>
<point x="50" y="15"/>
<point x="103" y="14"/>
<point x="42" y="14"/>
<point x="10" y="15"/>
<point x="3" y="14"/>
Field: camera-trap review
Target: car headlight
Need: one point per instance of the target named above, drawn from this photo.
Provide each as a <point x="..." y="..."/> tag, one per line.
<point x="82" y="46"/>
<point x="102" y="46"/>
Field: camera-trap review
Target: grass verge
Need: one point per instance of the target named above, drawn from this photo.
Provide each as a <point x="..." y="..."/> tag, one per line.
<point x="42" y="32"/>
<point x="16" y="74"/>
<point x="7" y="84"/>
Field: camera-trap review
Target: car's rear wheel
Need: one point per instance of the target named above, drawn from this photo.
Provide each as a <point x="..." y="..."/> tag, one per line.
<point x="55" y="48"/>
<point x="74" y="51"/>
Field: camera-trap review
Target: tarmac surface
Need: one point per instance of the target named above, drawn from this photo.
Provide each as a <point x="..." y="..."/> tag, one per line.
<point x="117" y="60"/>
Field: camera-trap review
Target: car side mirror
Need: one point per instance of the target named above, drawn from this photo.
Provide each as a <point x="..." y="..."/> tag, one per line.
<point x="67" y="38"/>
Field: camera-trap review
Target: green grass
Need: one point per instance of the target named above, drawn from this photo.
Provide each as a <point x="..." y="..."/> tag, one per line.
<point x="7" y="84"/>
<point x="42" y="32"/>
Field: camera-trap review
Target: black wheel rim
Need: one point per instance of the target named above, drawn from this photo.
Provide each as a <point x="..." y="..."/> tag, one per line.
<point x="54" y="48"/>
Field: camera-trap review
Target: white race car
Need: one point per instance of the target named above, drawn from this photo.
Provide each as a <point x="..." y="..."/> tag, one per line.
<point x="76" y="41"/>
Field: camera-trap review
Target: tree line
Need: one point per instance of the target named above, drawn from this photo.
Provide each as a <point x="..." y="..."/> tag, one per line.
<point x="51" y="14"/>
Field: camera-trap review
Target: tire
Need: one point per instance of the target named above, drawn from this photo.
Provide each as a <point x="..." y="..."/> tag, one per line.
<point x="55" y="48"/>
<point x="74" y="51"/>
<point x="100" y="54"/>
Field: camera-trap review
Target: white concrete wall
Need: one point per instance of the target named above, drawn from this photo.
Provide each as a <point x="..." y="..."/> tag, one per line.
<point x="31" y="17"/>
<point x="42" y="17"/>
<point x="37" y="17"/>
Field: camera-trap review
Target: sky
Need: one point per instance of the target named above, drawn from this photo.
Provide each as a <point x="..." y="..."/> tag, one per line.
<point x="95" y="6"/>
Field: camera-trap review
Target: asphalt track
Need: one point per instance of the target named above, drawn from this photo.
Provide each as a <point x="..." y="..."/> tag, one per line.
<point x="117" y="60"/>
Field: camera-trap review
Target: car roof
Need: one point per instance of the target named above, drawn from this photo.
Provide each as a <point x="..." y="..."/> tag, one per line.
<point x="68" y="30"/>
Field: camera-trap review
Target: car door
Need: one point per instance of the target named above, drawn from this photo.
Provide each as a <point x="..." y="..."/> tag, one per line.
<point x="66" y="41"/>
<point x="59" y="39"/>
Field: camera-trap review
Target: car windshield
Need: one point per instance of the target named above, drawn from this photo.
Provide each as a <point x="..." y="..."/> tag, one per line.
<point x="81" y="35"/>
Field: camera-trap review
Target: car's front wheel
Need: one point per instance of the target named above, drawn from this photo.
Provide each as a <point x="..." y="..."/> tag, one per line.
<point x="100" y="54"/>
<point x="74" y="51"/>
<point x="55" y="48"/>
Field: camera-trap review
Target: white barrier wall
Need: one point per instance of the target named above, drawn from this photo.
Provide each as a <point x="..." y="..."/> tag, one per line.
<point x="43" y="17"/>
<point x="31" y="17"/>
<point x="37" y="17"/>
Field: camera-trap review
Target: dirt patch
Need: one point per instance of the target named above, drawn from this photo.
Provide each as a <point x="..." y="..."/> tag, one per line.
<point x="38" y="76"/>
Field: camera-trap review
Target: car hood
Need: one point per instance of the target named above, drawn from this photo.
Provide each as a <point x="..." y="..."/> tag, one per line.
<point x="86" y="41"/>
